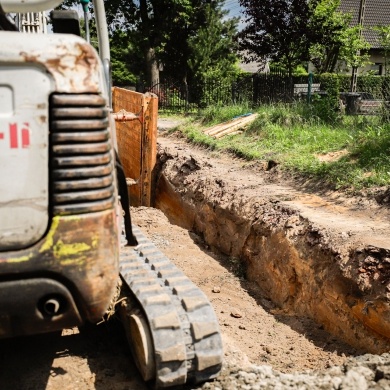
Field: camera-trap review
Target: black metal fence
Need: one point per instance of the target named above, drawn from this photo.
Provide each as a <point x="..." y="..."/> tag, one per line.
<point x="248" y="89"/>
<point x="173" y="96"/>
<point x="261" y="88"/>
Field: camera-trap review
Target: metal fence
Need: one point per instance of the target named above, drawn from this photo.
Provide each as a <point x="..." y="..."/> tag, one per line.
<point x="265" y="88"/>
<point x="174" y="96"/>
<point x="249" y="89"/>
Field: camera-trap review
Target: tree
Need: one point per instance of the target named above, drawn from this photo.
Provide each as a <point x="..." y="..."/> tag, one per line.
<point x="384" y="40"/>
<point x="334" y="40"/>
<point x="149" y="22"/>
<point x="294" y="31"/>
<point x="168" y="34"/>
<point x="276" y="30"/>
<point x="205" y="45"/>
<point x="213" y="49"/>
<point x="126" y="60"/>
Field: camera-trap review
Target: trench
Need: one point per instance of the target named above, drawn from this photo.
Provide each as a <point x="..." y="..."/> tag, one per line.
<point x="306" y="264"/>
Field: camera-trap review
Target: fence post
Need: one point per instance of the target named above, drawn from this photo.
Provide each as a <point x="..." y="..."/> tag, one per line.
<point x="234" y="87"/>
<point x="186" y="97"/>
<point x="309" y="85"/>
<point x="254" y="92"/>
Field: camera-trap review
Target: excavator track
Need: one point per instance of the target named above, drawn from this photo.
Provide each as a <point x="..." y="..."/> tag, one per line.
<point x="187" y="344"/>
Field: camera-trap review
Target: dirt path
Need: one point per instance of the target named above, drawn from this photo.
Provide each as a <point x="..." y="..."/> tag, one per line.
<point x="96" y="357"/>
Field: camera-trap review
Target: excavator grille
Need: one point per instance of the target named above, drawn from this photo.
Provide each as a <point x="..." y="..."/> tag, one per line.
<point x="82" y="159"/>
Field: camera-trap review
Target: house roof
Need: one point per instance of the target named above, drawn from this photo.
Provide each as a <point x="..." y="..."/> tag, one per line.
<point x="254" y="67"/>
<point x="377" y="12"/>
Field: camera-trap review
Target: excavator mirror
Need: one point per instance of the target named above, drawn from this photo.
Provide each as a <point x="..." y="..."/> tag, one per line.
<point x="23" y="6"/>
<point x="65" y="22"/>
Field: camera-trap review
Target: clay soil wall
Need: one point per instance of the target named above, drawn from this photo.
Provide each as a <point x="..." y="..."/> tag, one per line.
<point x="310" y="256"/>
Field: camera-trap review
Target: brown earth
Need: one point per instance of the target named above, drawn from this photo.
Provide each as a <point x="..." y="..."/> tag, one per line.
<point x="259" y="324"/>
<point x="254" y="330"/>
<point x="313" y="252"/>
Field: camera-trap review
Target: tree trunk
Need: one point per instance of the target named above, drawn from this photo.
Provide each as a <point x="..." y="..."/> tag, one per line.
<point x="152" y="69"/>
<point x="184" y="90"/>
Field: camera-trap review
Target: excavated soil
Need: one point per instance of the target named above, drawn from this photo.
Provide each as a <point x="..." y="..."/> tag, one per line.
<point x="298" y="277"/>
<point x="321" y="255"/>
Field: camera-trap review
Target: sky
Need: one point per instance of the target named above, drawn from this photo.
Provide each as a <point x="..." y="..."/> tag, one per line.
<point x="234" y="10"/>
<point x="233" y="7"/>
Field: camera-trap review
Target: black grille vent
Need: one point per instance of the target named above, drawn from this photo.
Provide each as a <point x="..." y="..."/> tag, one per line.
<point x="82" y="166"/>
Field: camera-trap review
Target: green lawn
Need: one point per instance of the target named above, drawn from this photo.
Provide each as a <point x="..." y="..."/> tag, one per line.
<point x="346" y="152"/>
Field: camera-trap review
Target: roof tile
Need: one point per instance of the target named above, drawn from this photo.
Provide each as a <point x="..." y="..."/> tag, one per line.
<point x="377" y="12"/>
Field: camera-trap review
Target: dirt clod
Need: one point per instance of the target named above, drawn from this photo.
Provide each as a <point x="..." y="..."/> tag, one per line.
<point x="236" y="314"/>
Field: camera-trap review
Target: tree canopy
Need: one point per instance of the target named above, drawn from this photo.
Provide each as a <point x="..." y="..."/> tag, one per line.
<point x="384" y="40"/>
<point x="333" y="39"/>
<point x="185" y="38"/>
<point x="292" y="32"/>
<point x="167" y="34"/>
<point x="199" y="41"/>
<point x="275" y="30"/>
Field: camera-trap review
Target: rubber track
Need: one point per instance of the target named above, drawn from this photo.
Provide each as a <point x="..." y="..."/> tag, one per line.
<point x="184" y="327"/>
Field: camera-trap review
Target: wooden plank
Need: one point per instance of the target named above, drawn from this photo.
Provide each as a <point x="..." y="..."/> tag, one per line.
<point x="232" y="133"/>
<point x="129" y="139"/>
<point x="231" y="126"/>
<point x="226" y="125"/>
<point x="149" y="147"/>
<point x="136" y="133"/>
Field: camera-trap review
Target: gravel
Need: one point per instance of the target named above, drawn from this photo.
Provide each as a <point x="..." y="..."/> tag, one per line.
<point x="360" y="373"/>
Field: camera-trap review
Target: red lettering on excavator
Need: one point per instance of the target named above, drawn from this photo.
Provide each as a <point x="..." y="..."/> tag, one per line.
<point x="14" y="135"/>
<point x="25" y="136"/>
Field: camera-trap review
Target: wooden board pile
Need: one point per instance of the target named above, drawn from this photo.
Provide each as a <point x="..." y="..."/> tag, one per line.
<point x="234" y="126"/>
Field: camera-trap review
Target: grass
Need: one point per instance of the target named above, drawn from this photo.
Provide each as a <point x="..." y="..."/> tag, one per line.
<point x="295" y="137"/>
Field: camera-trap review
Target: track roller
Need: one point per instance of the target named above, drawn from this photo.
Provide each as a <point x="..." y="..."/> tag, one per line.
<point x="140" y="341"/>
